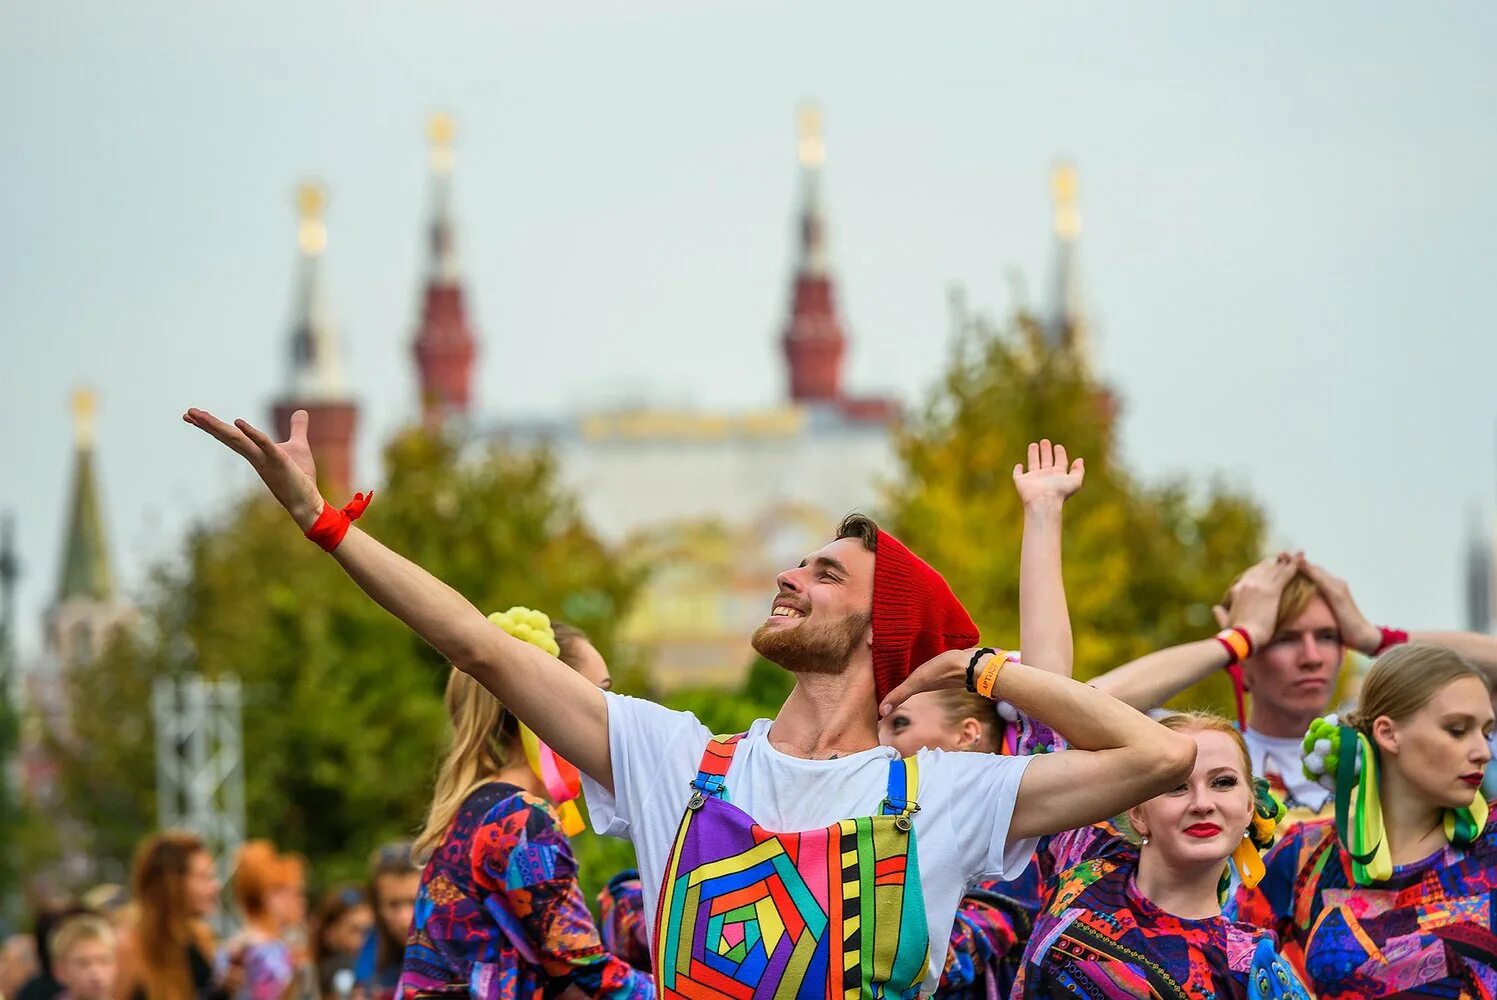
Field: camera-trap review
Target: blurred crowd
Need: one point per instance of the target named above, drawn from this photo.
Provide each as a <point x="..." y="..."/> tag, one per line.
<point x="155" y="937"/>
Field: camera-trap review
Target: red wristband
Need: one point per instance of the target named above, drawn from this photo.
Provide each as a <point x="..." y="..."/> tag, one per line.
<point x="1391" y="637"/>
<point x="332" y="524"/>
<point x="1239" y="690"/>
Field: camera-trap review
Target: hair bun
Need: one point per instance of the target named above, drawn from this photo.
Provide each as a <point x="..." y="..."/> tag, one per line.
<point x="1321" y="751"/>
<point x="529" y="626"/>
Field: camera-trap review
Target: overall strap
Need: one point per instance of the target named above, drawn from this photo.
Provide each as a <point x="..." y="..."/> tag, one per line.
<point x="904" y="782"/>
<point x="716" y="759"/>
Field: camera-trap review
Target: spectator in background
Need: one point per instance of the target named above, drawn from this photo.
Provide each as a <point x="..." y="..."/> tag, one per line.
<point x="17" y="964"/>
<point x="340" y="925"/>
<point x="83" y="957"/>
<point x="43" y="984"/>
<point x="394" y="881"/>
<point x="168" y="953"/>
<point x="268" y="889"/>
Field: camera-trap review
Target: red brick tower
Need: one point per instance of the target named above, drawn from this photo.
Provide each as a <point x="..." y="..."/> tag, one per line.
<point x="813" y="340"/>
<point x="444" y="344"/>
<point x="316" y="374"/>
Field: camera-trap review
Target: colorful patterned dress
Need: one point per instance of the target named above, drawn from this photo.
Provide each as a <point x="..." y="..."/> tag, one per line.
<point x="268" y="971"/>
<point x="988" y="937"/>
<point x="1100" y="937"/>
<point x="499" y="915"/>
<point x="622" y="921"/>
<point x="1428" y="931"/>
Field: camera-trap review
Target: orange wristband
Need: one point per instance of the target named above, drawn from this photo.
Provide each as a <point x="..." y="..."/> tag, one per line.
<point x="991" y="668"/>
<point x="1238" y="644"/>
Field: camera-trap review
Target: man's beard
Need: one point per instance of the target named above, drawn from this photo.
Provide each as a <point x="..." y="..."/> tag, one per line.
<point x="812" y="648"/>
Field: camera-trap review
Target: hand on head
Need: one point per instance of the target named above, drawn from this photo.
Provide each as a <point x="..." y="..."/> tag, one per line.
<point x="1254" y="598"/>
<point x="1356" y="630"/>
<point x="944" y="670"/>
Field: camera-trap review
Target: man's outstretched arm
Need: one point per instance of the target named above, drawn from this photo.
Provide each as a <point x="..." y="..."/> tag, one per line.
<point x="562" y="707"/>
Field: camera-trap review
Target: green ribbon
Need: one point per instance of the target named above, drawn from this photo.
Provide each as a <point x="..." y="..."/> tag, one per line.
<point x="1361" y="828"/>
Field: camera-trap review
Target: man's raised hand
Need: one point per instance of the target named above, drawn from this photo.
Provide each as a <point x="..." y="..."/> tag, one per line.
<point x="1049" y="479"/>
<point x="286" y="468"/>
<point x="944" y="670"/>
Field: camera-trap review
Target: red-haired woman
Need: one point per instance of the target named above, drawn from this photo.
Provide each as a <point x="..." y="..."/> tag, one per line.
<point x="268" y="888"/>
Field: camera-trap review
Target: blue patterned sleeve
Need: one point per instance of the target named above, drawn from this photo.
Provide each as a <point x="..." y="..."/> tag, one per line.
<point x="525" y="864"/>
<point x="982" y="936"/>
<point x="621" y="909"/>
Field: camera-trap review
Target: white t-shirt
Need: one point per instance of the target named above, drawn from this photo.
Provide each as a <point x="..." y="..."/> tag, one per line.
<point x="966" y="801"/>
<point x="1277" y="758"/>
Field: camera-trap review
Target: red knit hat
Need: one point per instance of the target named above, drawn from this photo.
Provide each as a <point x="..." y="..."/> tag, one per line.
<point x="915" y="614"/>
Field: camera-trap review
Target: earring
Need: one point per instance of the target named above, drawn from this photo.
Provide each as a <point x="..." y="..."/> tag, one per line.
<point x="1143" y="841"/>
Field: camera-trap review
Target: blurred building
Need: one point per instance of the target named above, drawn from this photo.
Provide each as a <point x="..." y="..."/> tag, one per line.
<point x="716" y="501"/>
<point x="720" y="501"/>
<point x="1479" y="585"/>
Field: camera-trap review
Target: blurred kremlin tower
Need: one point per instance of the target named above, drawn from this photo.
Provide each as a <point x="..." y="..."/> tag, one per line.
<point x="315" y="373"/>
<point x="444" y="345"/>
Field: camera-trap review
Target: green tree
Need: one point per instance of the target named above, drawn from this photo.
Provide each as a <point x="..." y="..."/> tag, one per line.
<point x="761" y="693"/>
<point x="343" y="716"/>
<point x="1143" y="562"/>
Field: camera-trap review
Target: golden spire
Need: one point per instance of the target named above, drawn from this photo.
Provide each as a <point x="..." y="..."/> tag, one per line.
<point x="311" y="234"/>
<point x="812" y="141"/>
<point x="441" y="130"/>
<point x="85" y="404"/>
<point x="1063" y="186"/>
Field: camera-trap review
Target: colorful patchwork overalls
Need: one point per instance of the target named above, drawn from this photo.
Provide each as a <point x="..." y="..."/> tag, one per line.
<point x="752" y="914"/>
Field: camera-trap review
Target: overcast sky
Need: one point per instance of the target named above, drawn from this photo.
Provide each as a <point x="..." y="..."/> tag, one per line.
<point x="1288" y="218"/>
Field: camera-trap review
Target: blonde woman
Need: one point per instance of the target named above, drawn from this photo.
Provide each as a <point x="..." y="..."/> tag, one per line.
<point x="1395" y="895"/>
<point x="499" y="914"/>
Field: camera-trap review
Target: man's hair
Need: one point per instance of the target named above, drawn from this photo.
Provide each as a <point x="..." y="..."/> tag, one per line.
<point x="77" y="929"/>
<point x="1293" y="600"/>
<point x="862" y="527"/>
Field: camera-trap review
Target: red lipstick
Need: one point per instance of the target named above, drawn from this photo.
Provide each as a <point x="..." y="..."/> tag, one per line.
<point x="1203" y="830"/>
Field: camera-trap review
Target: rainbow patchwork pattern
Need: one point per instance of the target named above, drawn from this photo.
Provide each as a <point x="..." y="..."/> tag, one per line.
<point x="748" y="913"/>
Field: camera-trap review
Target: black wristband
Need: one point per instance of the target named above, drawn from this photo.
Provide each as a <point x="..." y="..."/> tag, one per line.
<point x="972" y="665"/>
